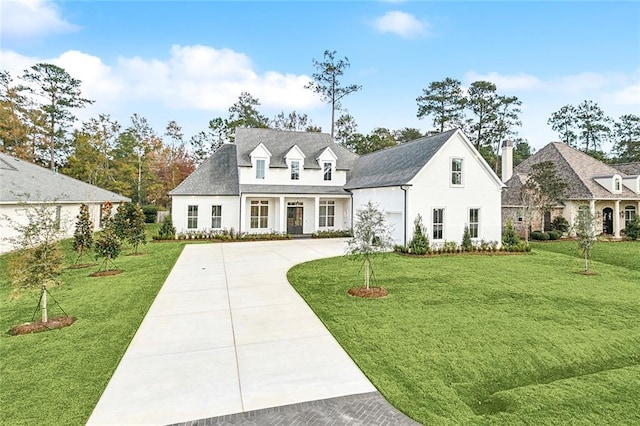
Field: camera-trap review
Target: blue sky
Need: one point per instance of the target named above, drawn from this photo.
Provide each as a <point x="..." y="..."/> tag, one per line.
<point x="189" y="61"/>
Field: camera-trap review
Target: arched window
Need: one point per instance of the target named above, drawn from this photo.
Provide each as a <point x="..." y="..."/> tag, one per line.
<point x="629" y="214"/>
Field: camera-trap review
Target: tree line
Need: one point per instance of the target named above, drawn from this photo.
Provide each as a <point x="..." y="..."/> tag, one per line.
<point x="37" y="124"/>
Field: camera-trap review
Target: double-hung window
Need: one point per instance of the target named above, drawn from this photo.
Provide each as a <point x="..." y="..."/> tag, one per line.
<point x="438" y="224"/>
<point x="259" y="214"/>
<point x="295" y="170"/>
<point x="456" y="171"/>
<point x="260" y="164"/>
<point x="327" y="213"/>
<point x="474" y="222"/>
<point x="216" y="217"/>
<point x="327" y="171"/>
<point x="192" y="217"/>
<point x="629" y="214"/>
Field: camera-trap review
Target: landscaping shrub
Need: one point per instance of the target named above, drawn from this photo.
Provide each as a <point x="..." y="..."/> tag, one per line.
<point x="466" y="244"/>
<point x="539" y="236"/>
<point x="632" y="231"/>
<point x="553" y="235"/>
<point x="560" y="224"/>
<point x="419" y="244"/>
<point x="167" y="231"/>
<point x="150" y="213"/>
<point x="332" y="234"/>
<point x="510" y="236"/>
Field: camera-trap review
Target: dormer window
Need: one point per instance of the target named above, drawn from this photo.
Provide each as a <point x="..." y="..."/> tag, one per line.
<point x="327" y="171"/>
<point x="616" y="185"/>
<point x="295" y="170"/>
<point x="260" y="165"/>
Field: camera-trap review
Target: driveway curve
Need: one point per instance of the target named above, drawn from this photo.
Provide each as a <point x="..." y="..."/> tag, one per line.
<point x="228" y="339"/>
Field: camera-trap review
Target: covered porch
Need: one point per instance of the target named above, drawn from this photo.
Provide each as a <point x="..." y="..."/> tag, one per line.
<point x="613" y="215"/>
<point x="294" y="214"/>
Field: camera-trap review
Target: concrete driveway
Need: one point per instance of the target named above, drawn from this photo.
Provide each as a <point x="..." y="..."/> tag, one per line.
<point x="228" y="334"/>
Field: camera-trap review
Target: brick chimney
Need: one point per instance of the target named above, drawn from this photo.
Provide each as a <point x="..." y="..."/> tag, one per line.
<point x="507" y="160"/>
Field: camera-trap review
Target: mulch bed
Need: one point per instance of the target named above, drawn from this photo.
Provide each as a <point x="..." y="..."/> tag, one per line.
<point x="371" y="292"/>
<point x="106" y="273"/>
<point x="38" y="326"/>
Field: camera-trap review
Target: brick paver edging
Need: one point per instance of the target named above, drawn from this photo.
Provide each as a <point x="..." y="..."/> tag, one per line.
<point x="369" y="409"/>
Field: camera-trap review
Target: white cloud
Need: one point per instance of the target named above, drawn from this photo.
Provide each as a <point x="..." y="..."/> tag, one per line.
<point x="193" y="77"/>
<point x="32" y="18"/>
<point x="520" y="81"/>
<point x="400" y="23"/>
<point x="629" y="95"/>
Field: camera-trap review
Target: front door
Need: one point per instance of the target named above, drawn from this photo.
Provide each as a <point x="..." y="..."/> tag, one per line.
<point x="294" y="220"/>
<point x="607" y="221"/>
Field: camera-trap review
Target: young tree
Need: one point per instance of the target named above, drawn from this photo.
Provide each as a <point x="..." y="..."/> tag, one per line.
<point x="419" y="244"/>
<point x="326" y="82"/>
<point x="564" y="122"/>
<point x="61" y="93"/>
<point x="444" y="101"/>
<point x="542" y="191"/>
<point x="167" y="230"/>
<point x="83" y="234"/>
<point x="120" y="221"/>
<point x="466" y="244"/>
<point x="107" y="246"/>
<point x="37" y="262"/>
<point x="371" y="234"/>
<point x="627" y="133"/>
<point x="136" y="234"/>
<point x="510" y="236"/>
<point x="586" y="230"/>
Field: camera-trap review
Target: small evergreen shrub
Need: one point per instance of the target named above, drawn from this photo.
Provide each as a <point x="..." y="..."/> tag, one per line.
<point x="466" y="244"/>
<point x="150" y="213"/>
<point x="632" y="231"/>
<point x="560" y="224"/>
<point x="419" y="244"/>
<point x="510" y="236"/>
<point x="539" y="236"/>
<point x="553" y="235"/>
<point x="332" y="234"/>
<point x="167" y="231"/>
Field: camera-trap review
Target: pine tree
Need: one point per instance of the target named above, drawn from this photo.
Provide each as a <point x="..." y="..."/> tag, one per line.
<point x="466" y="240"/>
<point x="420" y="242"/>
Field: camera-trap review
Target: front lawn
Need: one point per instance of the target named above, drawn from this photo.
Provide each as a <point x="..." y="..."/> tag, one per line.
<point x="491" y="339"/>
<point x="56" y="377"/>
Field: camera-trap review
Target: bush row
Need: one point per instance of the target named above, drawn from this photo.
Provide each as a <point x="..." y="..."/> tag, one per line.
<point x="451" y="247"/>
<point x="332" y="234"/>
<point x="545" y="236"/>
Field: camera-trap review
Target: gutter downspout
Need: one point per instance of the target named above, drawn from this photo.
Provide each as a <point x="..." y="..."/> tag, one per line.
<point x="240" y="216"/>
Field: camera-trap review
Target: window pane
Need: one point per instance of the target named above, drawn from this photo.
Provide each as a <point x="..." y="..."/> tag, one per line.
<point x="260" y="169"/>
<point x="327" y="171"/>
<point x="330" y="221"/>
<point x="438" y="220"/>
<point x="456" y="171"/>
<point x="295" y="170"/>
<point x="323" y="221"/>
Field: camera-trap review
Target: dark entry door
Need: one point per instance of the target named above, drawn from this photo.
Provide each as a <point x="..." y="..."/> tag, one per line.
<point x="607" y="220"/>
<point x="294" y="220"/>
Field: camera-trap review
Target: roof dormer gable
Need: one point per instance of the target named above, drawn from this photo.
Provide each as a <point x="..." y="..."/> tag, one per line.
<point x="295" y="153"/>
<point x="260" y="151"/>
<point x="327" y="155"/>
<point x="612" y="184"/>
<point x="632" y="182"/>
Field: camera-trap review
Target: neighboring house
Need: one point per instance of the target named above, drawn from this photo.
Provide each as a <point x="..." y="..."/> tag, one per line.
<point x="300" y="183"/>
<point x="612" y="193"/>
<point x="22" y="183"/>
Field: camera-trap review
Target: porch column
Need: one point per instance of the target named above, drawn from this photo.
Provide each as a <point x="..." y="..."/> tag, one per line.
<point x="316" y="214"/>
<point x="616" y="219"/>
<point x="592" y="207"/>
<point x="283" y="215"/>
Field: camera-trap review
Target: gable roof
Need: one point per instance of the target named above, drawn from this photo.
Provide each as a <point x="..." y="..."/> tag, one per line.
<point x="217" y="175"/>
<point x="280" y="142"/>
<point x="22" y="181"/>
<point x="396" y="165"/>
<point x="574" y="167"/>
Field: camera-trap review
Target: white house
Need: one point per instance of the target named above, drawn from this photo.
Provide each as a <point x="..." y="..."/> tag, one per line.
<point x="611" y="192"/>
<point x="22" y="182"/>
<point x="300" y="183"/>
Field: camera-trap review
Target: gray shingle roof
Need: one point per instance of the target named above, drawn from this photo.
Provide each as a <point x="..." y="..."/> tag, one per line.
<point x="279" y="143"/>
<point x="630" y="169"/>
<point x="574" y="167"/>
<point x="396" y="165"/>
<point x="293" y="189"/>
<point x="217" y="175"/>
<point x="21" y="181"/>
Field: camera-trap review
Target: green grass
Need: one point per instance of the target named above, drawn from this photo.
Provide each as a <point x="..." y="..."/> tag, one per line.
<point x="492" y="339"/>
<point x="623" y="253"/>
<point x="56" y="377"/>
